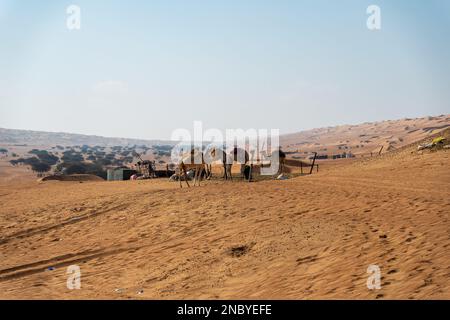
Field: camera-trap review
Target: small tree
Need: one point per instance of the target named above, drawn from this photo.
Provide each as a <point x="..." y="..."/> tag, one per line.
<point x="40" y="167"/>
<point x="76" y="168"/>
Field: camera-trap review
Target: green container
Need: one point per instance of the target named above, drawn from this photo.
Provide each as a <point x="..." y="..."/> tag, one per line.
<point x="120" y="174"/>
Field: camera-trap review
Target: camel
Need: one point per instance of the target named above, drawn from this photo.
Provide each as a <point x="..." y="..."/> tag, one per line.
<point x="217" y="154"/>
<point x="281" y="160"/>
<point x="193" y="160"/>
<point x="239" y="155"/>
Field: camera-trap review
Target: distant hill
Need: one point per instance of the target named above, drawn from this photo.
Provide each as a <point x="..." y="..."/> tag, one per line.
<point x="362" y="139"/>
<point x="41" y="138"/>
<point x="356" y="139"/>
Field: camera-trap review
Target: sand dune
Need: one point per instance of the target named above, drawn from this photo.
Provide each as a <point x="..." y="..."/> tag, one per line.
<point x="305" y="238"/>
<point x="363" y="139"/>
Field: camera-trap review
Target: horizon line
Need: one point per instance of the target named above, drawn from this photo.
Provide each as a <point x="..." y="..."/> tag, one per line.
<point x="169" y="140"/>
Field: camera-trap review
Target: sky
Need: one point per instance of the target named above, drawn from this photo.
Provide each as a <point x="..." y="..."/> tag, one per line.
<point x="141" y="69"/>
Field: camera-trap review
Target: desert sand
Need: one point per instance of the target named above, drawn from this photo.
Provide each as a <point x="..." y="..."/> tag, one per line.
<point x="310" y="237"/>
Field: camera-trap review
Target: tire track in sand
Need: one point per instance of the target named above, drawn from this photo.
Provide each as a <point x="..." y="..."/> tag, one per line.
<point x="58" y="262"/>
<point x="43" y="229"/>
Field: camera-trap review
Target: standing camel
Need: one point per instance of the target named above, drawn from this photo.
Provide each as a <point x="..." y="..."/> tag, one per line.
<point x="239" y="155"/>
<point x="193" y="160"/>
<point x="281" y="156"/>
<point x="281" y="160"/>
<point x="217" y="154"/>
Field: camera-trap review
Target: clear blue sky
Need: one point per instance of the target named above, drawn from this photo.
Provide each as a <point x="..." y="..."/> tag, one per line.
<point x="143" y="68"/>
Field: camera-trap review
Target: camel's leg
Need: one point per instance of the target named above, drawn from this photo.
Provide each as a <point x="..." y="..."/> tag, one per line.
<point x="179" y="175"/>
<point x="229" y="171"/>
<point x="250" y="173"/>
<point x="186" y="177"/>
<point x="200" y="171"/>
<point x="208" y="171"/>
<point x="197" y="176"/>
<point x="201" y="174"/>
<point x="225" y="174"/>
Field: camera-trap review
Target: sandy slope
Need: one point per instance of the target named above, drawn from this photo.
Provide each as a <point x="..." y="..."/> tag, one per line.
<point x="362" y="139"/>
<point x="308" y="237"/>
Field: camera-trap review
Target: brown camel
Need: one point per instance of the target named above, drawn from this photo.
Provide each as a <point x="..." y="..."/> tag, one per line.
<point x="193" y="160"/>
<point x="281" y="160"/>
<point x="217" y="154"/>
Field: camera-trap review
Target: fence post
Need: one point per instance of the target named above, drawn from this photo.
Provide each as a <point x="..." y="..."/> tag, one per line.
<point x="314" y="161"/>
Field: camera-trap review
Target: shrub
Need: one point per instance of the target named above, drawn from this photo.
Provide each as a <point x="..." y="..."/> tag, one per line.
<point x="91" y="158"/>
<point x="75" y="168"/>
<point x="103" y="162"/>
<point x="45" y="157"/>
<point x="72" y="156"/>
<point x="83" y="168"/>
<point x="40" y="167"/>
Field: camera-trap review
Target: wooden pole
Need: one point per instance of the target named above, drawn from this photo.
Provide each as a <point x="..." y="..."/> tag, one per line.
<point x="314" y="160"/>
<point x="379" y="153"/>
